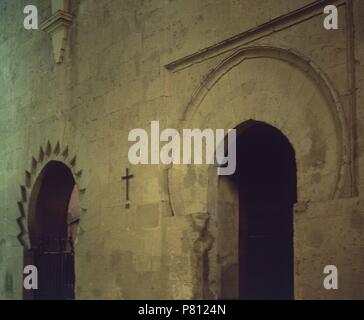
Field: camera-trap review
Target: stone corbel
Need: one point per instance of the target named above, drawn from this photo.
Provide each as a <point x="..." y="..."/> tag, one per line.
<point x="57" y="26"/>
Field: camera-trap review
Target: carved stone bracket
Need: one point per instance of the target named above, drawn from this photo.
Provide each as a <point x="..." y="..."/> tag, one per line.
<point x="57" y="26"/>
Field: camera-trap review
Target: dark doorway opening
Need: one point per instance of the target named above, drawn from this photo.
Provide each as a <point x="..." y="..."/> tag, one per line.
<point x="50" y="232"/>
<point x="266" y="178"/>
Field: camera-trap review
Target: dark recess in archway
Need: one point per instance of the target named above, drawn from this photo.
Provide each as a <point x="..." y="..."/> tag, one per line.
<point x="266" y="177"/>
<point x="51" y="248"/>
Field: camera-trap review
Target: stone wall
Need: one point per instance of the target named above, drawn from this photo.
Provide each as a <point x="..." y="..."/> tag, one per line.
<point x="114" y="78"/>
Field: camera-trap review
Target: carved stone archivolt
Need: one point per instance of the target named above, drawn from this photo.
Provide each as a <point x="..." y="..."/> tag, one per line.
<point x="240" y="49"/>
<point x="323" y="86"/>
<point x="45" y="155"/>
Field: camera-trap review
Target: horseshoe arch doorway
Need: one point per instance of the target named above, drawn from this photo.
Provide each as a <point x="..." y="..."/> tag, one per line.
<point x="52" y="224"/>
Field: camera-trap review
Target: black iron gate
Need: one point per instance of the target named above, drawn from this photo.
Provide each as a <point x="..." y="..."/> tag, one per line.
<point x="54" y="260"/>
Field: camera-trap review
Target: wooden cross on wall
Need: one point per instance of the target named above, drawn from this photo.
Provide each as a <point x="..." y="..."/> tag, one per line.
<point x="127" y="177"/>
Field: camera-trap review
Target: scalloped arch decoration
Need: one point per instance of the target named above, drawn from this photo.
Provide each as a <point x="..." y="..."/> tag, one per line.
<point x="45" y="155"/>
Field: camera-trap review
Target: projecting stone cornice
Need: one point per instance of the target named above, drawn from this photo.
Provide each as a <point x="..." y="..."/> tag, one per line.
<point x="248" y="37"/>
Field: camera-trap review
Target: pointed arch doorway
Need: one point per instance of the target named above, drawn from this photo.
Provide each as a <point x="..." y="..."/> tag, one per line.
<point x="259" y="224"/>
<point x="52" y="224"/>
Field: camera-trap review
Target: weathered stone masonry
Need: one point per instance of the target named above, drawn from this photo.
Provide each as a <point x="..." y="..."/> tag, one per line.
<point x="187" y="64"/>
